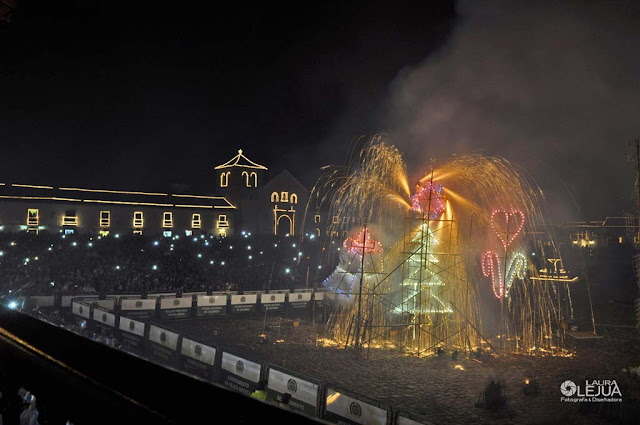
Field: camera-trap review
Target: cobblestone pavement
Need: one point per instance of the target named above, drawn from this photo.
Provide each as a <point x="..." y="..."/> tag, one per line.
<point x="432" y="387"/>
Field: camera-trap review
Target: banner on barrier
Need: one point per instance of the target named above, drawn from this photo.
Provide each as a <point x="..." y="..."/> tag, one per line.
<point x="175" y="308"/>
<point x="132" y="334"/>
<point x="243" y="303"/>
<point x="344" y="409"/>
<point x="405" y="418"/>
<point x="139" y="309"/>
<point x="109" y="303"/>
<point x="239" y="374"/>
<point x="299" y="299"/>
<point x="163" y="345"/>
<point x="67" y="299"/>
<point x="104" y="318"/>
<point x="81" y="309"/>
<point x="211" y="305"/>
<point x="198" y="359"/>
<point x="305" y="392"/>
<point x="273" y="302"/>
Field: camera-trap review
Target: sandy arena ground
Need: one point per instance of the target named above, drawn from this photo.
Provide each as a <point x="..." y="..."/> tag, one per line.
<point x="433" y="387"/>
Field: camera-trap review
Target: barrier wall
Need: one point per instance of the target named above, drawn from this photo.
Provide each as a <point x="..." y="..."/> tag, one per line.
<point x="308" y="395"/>
<point x="211" y="305"/>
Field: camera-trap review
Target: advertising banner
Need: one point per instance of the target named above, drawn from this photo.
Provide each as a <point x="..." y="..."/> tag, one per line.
<point x="272" y="302"/>
<point x="353" y="409"/>
<point x="305" y="392"/>
<point x="175" y="308"/>
<point x="132" y="335"/>
<point x="138" y="309"/>
<point x="211" y="305"/>
<point x="198" y="359"/>
<point x="104" y="318"/>
<point x="299" y="300"/>
<point x="243" y="303"/>
<point x="163" y="345"/>
<point x="239" y="374"/>
<point x="81" y="309"/>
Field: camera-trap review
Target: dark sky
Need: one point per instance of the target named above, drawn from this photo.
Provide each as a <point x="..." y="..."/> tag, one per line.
<point x="137" y="95"/>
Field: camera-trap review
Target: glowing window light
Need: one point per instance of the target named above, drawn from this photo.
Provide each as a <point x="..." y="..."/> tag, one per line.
<point x="70" y="218"/>
<point x="196" y="221"/>
<point x="105" y="218"/>
<point x="222" y="222"/>
<point x="32" y="217"/>
<point x="138" y="219"/>
<point x="167" y="219"/>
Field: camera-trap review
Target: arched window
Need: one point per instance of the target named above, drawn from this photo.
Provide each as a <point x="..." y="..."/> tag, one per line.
<point x="254" y="176"/>
<point x="224" y="179"/>
<point x="293" y="198"/>
<point x="246" y="178"/>
<point x="275" y="197"/>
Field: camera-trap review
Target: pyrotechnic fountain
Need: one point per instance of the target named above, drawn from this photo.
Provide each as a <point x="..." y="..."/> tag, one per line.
<point x="467" y="231"/>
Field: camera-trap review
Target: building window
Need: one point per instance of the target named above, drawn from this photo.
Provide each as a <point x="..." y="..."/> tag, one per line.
<point x="336" y="219"/>
<point x="138" y="219"/>
<point x="224" y="179"/>
<point x="284" y="196"/>
<point x="254" y="176"/>
<point x="275" y="197"/>
<point x="32" y="217"/>
<point x="196" y="222"/>
<point x="69" y="218"/>
<point x="294" y="198"/>
<point x="167" y="219"/>
<point x="317" y="218"/>
<point x="222" y="222"/>
<point x="105" y="218"/>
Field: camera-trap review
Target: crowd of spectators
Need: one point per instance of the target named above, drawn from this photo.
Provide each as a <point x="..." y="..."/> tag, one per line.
<point x="48" y="264"/>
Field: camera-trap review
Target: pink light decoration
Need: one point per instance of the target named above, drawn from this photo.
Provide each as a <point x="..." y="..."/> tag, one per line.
<point x="491" y="268"/>
<point x="509" y="217"/>
<point x="420" y="202"/>
<point x="357" y="245"/>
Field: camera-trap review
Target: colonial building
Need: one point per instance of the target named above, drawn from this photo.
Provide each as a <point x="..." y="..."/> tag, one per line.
<point x="243" y="200"/>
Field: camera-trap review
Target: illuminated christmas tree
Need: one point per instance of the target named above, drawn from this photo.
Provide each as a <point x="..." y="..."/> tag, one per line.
<point x="422" y="287"/>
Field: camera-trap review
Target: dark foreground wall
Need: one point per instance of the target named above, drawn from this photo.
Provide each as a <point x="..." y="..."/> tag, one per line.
<point x="87" y="382"/>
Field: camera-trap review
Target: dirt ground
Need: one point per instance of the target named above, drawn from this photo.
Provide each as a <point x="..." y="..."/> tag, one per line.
<point x="436" y="387"/>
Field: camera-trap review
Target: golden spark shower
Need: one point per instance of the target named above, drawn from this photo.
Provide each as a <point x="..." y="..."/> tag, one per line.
<point x="447" y="260"/>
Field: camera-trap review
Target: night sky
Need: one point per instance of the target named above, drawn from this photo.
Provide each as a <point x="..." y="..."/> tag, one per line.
<point x="140" y="95"/>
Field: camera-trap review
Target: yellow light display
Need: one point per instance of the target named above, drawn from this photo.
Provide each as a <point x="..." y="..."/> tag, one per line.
<point x="69" y="220"/>
<point x="32" y="217"/>
<point x="105" y="219"/>
<point x="196" y="222"/>
<point x="235" y="162"/>
<point x="124" y="192"/>
<point x="222" y="222"/>
<point x="32" y="186"/>
<point x="167" y="219"/>
<point x="138" y="219"/>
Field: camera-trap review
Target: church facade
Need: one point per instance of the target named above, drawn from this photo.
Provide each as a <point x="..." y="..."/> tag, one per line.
<point x="245" y="199"/>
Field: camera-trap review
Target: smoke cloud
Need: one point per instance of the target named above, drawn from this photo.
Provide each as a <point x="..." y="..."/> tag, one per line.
<point x="551" y="86"/>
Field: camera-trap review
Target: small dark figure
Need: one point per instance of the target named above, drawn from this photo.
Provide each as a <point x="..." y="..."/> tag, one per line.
<point x="478" y="353"/>
<point x="439" y="351"/>
<point x="492" y="397"/>
<point x="284" y="400"/>
<point x="454" y="355"/>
